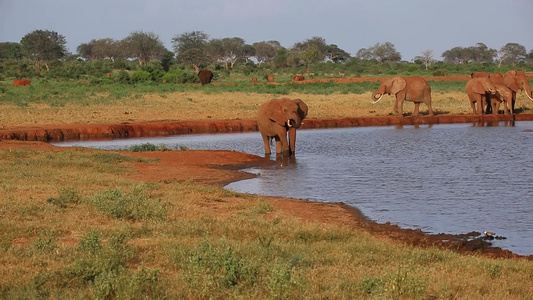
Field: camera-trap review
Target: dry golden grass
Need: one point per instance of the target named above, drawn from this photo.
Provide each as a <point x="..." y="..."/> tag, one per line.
<point x="202" y="106"/>
<point x="197" y="105"/>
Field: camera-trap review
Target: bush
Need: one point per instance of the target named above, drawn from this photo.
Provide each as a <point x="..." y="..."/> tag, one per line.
<point x="141" y="76"/>
<point x="122" y="77"/>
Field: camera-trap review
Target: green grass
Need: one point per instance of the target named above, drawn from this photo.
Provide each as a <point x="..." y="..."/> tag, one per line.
<point x="59" y="94"/>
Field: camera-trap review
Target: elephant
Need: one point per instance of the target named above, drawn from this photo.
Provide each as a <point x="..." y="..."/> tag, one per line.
<point x="516" y="80"/>
<point x="479" y="74"/>
<point x="205" y="76"/>
<point x="254" y="79"/>
<point x="278" y="117"/>
<point x="21" y="82"/>
<point x="414" y="89"/>
<point x="270" y="78"/>
<point x="505" y="95"/>
<point x="298" y="77"/>
<point x="479" y="90"/>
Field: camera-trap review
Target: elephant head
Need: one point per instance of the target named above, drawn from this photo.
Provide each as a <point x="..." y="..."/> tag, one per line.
<point x="391" y="86"/>
<point x="517" y="80"/>
<point x="481" y="85"/>
<point x="287" y="112"/>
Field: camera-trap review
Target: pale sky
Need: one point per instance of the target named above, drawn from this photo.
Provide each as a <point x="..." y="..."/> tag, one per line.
<point x="411" y="25"/>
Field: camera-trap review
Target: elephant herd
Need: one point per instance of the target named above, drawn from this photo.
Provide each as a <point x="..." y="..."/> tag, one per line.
<point x="490" y="90"/>
<point x="278" y="119"/>
<point x="485" y="92"/>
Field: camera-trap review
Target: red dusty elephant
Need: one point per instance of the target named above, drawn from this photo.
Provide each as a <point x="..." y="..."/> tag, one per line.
<point x="21" y="82"/>
<point x="205" y="76"/>
<point x="270" y="78"/>
<point x="279" y="118"/>
<point x="298" y="77"/>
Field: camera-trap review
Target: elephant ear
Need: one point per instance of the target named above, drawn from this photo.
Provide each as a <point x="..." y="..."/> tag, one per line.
<point x="303" y="108"/>
<point x="477" y="87"/>
<point x="275" y="112"/>
<point x="398" y="84"/>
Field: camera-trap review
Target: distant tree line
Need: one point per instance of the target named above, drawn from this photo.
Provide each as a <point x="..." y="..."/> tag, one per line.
<point x="195" y="50"/>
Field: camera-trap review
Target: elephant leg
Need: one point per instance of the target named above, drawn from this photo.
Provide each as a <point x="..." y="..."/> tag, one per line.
<point x="430" y="110"/>
<point x="480" y="106"/>
<point x="473" y="104"/>
<point x="284" y="145"/>
<point x="266" y="142"/>
<point x="279" y="145"/>
<point x="417" y="107"/>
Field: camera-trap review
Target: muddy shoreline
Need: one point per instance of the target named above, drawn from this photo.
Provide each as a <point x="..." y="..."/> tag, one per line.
<point x="222" y="167"/>
<point x="95" y="131"/>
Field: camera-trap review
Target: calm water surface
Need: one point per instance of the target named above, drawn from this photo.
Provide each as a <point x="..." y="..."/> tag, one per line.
<point x="442" y="178"/>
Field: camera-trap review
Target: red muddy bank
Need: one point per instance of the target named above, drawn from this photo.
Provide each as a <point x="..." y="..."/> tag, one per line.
<point x="66" y="132"/>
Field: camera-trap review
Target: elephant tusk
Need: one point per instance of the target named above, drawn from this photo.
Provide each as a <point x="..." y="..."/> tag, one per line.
<point x="376" y="101"/>
<point x="289" y="123"/>
<point x="528" y="95"/>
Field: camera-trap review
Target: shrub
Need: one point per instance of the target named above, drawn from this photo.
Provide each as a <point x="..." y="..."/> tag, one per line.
<point x="141" y="76"/>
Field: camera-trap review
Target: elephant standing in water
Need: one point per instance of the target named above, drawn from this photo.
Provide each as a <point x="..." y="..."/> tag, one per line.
<point x="414" y="89"/>
<point x="278" y="117"/>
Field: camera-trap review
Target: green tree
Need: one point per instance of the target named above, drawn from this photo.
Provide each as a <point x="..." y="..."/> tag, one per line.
<point x="309" y="51"/>
<point x="143" y="46"/>
<point x="99" y="49"/>
<point x="512" y="53"/>
<point x="456" y="55"/>
<point x="281" y="58"/>
<point x="10" y="50"/>
<point x="336" y="54"/>
<point x="190" y="48"/>
<point x="382" y="53"/>
<point x="480" y="53"/>
<point x="265" y="51"/>
<point x="42" y="46"/>
<point x="386" y="52"/>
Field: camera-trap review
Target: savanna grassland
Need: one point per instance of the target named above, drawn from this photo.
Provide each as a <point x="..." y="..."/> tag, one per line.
<point x="73" y="102"/>
<point x="81" y="223"/>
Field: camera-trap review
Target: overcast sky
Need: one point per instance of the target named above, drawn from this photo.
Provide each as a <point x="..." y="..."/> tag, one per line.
<point x="411" y="25"/>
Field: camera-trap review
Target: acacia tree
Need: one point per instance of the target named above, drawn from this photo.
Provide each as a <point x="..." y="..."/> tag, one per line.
<point x="190" y="48"/>
<point x="480" y="53"/>
<point x="265" y="51"/>
<point x="512" y="53"/>
<point x="143" y="46"/>
<point x="99" y="49"/>
<point x="336" y="54"/>
<point x="385" y="52"/>
<point x="42" y="46"/>
<point x="309" y="51"/>
<point x="426" y="57"/>
<point x="455" y="55"/>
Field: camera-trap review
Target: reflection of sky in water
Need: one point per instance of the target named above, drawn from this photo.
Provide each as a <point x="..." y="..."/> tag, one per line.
<point x="445" y="178"/>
